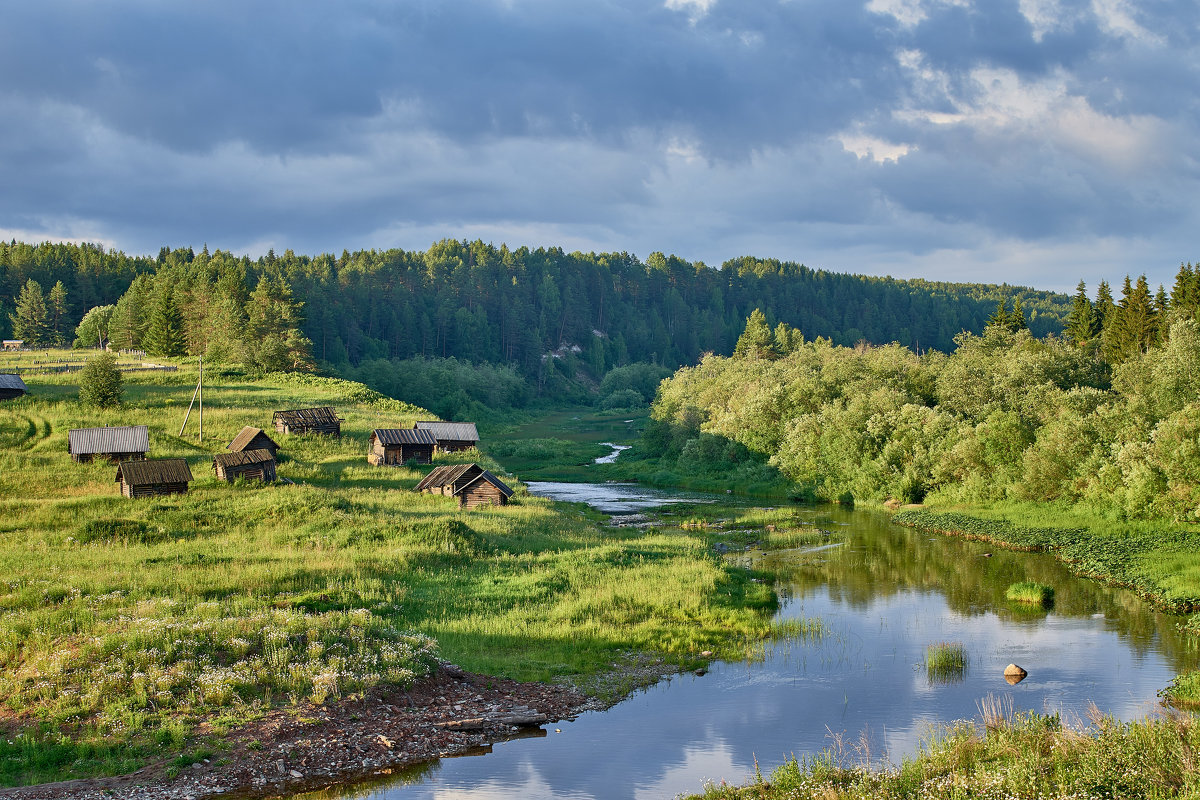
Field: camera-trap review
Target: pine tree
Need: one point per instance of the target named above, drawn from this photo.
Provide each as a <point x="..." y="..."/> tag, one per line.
<point x="757" y="340"/>
<point x="999" y="317"/>
<point x="1185" y="294"/>
<point x="57" y="314"/>
<point x="29" y="320"/>
<point x="1016" y="320"/>
<point x="164" y="332"/>
<point x="1082" y="324"/>
<point x="1104" y="306"/>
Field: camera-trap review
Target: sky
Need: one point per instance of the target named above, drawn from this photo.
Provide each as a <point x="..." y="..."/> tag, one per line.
<point x="1034" y="142"/>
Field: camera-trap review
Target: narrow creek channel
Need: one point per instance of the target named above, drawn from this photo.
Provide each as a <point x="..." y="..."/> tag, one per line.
<point x="885" y="594"/>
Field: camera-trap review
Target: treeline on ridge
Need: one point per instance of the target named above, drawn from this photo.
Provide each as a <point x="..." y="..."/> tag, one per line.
<point x="1106" y="417"/>
<point x="537" y="311"/>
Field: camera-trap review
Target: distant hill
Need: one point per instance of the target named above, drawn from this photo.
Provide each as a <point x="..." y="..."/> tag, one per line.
<point x="481" y="303"/>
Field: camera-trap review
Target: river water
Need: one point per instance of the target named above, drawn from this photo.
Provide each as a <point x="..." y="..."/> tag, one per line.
<point x="885" y="594"/>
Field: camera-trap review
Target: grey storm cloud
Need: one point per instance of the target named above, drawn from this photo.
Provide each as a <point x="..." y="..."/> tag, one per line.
<point x="860" y="135"/>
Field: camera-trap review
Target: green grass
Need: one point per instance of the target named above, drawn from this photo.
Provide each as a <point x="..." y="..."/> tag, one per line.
<point x="945" y="662"/>
<point x="1022" y="757"/>
<point x="1159" y="563"/>
<point x="124" y="624"/>
<point x="1031" y="593"/>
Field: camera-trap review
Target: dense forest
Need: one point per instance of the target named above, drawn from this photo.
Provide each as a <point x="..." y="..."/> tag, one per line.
<point x="1105" y="416"/>
<point x="535" y="311"/>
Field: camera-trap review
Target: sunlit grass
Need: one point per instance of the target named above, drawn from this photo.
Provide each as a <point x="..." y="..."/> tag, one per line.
<point x="945" y="662"/>
<point x="123" y="624"/>
<point x="1031" y="593"/>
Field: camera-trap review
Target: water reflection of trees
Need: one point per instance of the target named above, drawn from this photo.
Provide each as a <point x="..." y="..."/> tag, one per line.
<point x="878" y="560"/>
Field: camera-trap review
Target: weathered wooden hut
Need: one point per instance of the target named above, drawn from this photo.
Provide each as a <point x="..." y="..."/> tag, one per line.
<point x="129" y="443"/>
<point x="308" y="420"/>
<point x="155" y="477"/>
<point x="451" y="436"/>
<point x="471" y="484"/>
<point x="14" y="344"/>
<point x="252" y="465"/>
<point x="392" y="446"/>
<point x="253" y="439"/>
<point x="11" y="386"/>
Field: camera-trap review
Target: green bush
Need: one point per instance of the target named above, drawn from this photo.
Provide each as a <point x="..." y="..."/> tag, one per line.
<point x="100" y="382"/>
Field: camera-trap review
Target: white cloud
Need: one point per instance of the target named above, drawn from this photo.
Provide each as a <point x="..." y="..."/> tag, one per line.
<point x="696" y="9"/>
<point x="1117" y="17"/>
<point x="872" y="148"/>
<point x="910" y="13"/>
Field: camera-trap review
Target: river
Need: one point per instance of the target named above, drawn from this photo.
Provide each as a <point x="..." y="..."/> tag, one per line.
<point x="885" y="594"/>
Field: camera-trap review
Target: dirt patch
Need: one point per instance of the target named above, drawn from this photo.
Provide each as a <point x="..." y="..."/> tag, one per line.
<point x="313" y="747"/>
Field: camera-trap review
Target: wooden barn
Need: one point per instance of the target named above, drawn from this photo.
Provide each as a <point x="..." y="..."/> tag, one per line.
<point x="155" y="477"/>
<point x="392" y="446"/>
<point x="470" y="483"/>
<point x="129" y="443"/>
<point x="308" y="420"/>
<point x="451" y="436"/>
<point x="252" y="465"/>
<point x="253" y="439"/>
<point x="11" y="386"/>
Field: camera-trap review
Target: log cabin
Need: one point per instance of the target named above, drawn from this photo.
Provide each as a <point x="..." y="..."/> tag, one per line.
<point x="470" y="484"/>
<point x="253" y="439"/>
<point x="154" y="477"/>
<point x="394" y="446"/>
<point x="322" y="420"/>
<point x="451" y="436"/>
<point x="252" y="465"/>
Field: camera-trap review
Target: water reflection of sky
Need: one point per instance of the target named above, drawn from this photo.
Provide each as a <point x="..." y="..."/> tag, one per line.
<point x="614" y="498"/>
<point x="864" y="681"/>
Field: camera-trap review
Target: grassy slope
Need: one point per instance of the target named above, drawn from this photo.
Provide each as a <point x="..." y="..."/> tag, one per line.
<point x="131" y="621"/>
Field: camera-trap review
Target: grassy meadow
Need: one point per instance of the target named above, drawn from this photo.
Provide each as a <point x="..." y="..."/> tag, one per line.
<point x="130" y="627"/>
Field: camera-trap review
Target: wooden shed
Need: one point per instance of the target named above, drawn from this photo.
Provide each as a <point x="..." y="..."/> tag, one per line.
<point x="128" y="443"/>
<point x="451" y="436"/>
<point x="470" y="483"/>
<point x="392" y="446"/>
<point x="308" y="420"/>
<point x="253" y="439"/>
<point x="252" y="465"/>
<point x="11" y="386"/>
<point x="155" y="477"/>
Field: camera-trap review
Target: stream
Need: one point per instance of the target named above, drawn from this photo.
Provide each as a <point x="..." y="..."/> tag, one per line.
<point x="884" y="594"/>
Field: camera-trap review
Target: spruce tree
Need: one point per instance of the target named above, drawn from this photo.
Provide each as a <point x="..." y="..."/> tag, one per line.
<point x="164" y="333"/>
<point x="999" y="317"/>
<point x="29" y="319"/>
<point x="1016" y="320"/>
<point x="56" y="311"/>
<point x="1082" y="324"/>
<point x="757" y="340"/>
<point x="1185" y="294"/>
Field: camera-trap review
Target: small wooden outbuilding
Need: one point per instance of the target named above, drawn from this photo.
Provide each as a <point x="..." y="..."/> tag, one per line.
<point x="11" y="386"/>
<point x="451" y="436"/>
<point x="308" y="420"/>
<point x="14" y="344"/>
<point x="155" y="477"/>
<point x="129" y="443"/>
<point x="253" y="465"/>
<point x="470" y="483"/>
<point x="392" y="446"/>
<point x="253" y="439"/>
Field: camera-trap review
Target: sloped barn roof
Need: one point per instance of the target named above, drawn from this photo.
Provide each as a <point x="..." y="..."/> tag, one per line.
<point x="131" y="439"/>
<point x="154" y="472"/>
<point x="450" y="431"/>
<point x="442" y="476"/>
<point x="402" y="436"/>
<point x="242" y="458"/>
<point x="246" y="436"/>
<point x="12" y="382"/>
<point x="308" y="416"/>
<point x="493" y="480"/>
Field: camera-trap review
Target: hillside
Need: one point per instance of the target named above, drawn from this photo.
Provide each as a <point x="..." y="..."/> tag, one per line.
<point x="128" y="626"/>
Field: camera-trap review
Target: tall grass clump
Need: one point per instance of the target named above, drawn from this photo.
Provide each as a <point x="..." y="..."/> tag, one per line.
<point x="1031" y="593"/>
<point x="945" y="662"/>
